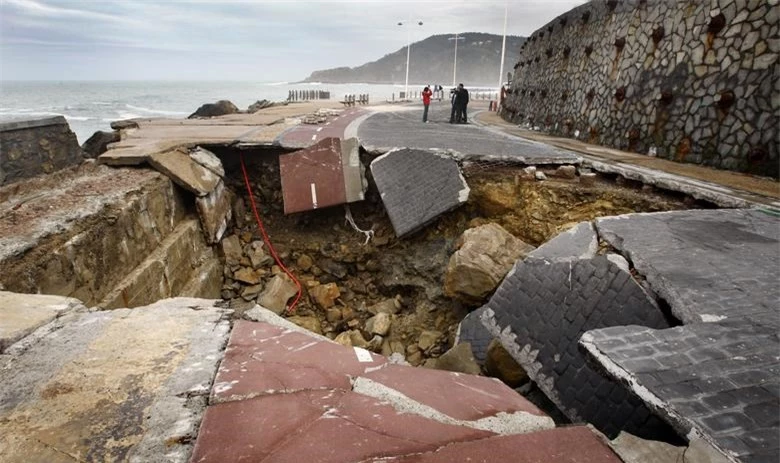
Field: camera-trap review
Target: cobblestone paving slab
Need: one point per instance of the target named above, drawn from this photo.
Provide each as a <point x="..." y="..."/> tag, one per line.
<point x="721" y="380"/>
<point x="417" y="186"/>
<point x="575" y="444"/>
<point x="709" y="265"/>
<point x="404" y="129"/>
<point x="580" y="241"/>
<point x="472" y="331"/>
<point x="120" y="385"/>
<point x="540" y="311"/>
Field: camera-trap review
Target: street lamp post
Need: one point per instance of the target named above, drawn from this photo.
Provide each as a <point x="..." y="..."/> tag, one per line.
<point x="408" y="50"/>
<point x="455" y="61"/>
<point x="503" y="52"/>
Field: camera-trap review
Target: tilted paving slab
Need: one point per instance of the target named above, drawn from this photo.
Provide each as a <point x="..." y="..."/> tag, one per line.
<point x="313" y="177"/>
<point x="575" y="444"/>
<point x="317" y="426"/>
<point x="21" y="314"/>
<point x="539" y="312"/>
<point x="264" y="359"/>
<point x="580" y="241"/>
<point x="185" y="171"/>
<point x="121" y="385"/>
<point x="708" y="265"/>
<point x="285" y="394"/>
<point x="719" y="382"/>
<point x="417" y="186"/>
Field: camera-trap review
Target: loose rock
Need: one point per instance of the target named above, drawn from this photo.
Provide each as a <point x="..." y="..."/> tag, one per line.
<point x="257" y="255"/>
<point x="305" y="262"/>
<point x="310" y="323"/>
<point x="247" y="275"/>
<point x="500" y="364"/>
<point x="485" y="255"/>
<point x="379" y="324"/>
<point x="428" y="339"/>
<point x="388" y="306"/>
<point x="231" y="249"/>
<point x="325" y="295"/>
<point x="460" y="359"/>
<point x="97" y="144"/>
<point x="568" y="172"/>
<point x="220" y="108"/>
<point x="277" y="293"/>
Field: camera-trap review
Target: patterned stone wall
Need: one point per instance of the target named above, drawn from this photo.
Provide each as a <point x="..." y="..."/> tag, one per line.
<point x="694" y="81"/>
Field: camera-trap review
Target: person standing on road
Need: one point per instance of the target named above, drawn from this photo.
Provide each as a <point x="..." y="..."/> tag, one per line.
<point x="454" y="101"/>
<point x="426" y="97"/>
<point x="461" y="102"/>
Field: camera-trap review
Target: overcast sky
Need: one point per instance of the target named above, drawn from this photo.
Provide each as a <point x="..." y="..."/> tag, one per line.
<point x="260" y="40"/>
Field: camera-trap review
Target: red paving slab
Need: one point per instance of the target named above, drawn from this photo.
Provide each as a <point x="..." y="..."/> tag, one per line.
<point x="577" y="444"/>
<point x="305" y="135"/>
<point x="477" y="396"/>
<point x="266" y="359"/>
<point x="313" y="177"/>
<point x="318" y="426"/>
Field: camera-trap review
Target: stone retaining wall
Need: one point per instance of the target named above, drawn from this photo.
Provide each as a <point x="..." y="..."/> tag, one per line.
<point x="42" y="146"/>
<point x="692" y="81"/>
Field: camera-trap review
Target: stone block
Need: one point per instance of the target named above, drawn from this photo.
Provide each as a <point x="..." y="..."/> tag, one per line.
<point x="21" y="314"/>
<point x="208" y="160"/>
<point x="185" y="171"/>
<point x="98" y="143"/>
<point x="417" y="186"/>
<point x="215" y="211"/>
<point x="231" y="250"/>
<point x="86" y="387"/>
<point x="36" y="147"/>
<point x="459" y="359"/>
<point x="325" y="295"/>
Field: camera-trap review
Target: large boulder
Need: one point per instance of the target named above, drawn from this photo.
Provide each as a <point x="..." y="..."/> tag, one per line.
<point x="258" y="105"/>
<point x="485" y="255"/>
<point x="97" y="144"/>
<point x="220" y="108"/>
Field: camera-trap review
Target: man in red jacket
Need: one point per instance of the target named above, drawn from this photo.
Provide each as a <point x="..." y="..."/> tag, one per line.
<point x="426" y="96"/>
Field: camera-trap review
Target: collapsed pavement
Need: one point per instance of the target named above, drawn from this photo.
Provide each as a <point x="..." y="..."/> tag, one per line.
<point x="337" y="279"/>
<point x="713" y="379"/>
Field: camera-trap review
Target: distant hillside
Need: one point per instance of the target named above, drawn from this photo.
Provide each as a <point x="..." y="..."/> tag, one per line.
<point x="479" y="56"/>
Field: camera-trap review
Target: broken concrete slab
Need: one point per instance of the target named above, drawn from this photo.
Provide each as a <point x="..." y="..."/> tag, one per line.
<point x="355" y="184"/>
<point x="215" y="211"/>
<point x="262" y="359"/>
<point x="417" y="186"/>
<point x="435" y="388"/>
<point x="116" y="385"/>
<point x="208" y="160"/>
<point x="321" y="425"/>
<point x="578" y="242"/>
<point x="578" y="444"/>
<point x="718" y="382"/>
<point x="540" y="311"/>
<point x="632" y="449"/>
<point x="21" y="314"/>
<point x="708" y="265"/>
<point x="483" y="257"/>
<point x="321" y="175"/>
<point x="185" y="172"/>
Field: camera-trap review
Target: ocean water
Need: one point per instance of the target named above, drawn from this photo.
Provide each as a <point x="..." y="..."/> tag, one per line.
<point x="92" y="106"/>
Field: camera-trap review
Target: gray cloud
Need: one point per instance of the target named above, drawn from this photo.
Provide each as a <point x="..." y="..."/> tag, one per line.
<point x="259" y="40"/>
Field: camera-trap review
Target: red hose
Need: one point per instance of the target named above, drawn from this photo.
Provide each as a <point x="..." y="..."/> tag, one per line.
<point x="268" y="240"/>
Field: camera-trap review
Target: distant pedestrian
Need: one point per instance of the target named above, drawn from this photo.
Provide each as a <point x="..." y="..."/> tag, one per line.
<point x="461" y="104"/>
<point x="453" y="102"/>
<point x="426" y="97"/>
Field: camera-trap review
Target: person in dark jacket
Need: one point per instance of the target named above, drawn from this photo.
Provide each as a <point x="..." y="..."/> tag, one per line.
<point x="462" y="102"/>
<point x="454" y="101"/>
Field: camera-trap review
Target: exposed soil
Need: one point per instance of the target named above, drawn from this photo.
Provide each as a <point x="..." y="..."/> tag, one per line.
<point x="411" y="269"/>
